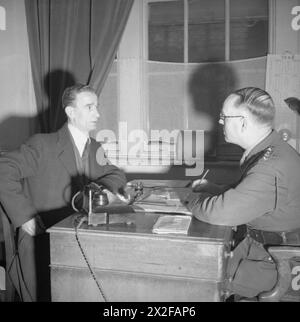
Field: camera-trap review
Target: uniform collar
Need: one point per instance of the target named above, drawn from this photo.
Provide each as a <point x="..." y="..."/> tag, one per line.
<point x="247" y="154"/>
<point x="269" y="140"/>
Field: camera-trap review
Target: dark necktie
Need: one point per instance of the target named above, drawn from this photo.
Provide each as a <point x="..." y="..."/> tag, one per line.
<point x="85" y="158"/>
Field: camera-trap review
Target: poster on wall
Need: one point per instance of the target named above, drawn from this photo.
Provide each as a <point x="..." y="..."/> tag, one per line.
<point x="283" y="83"/>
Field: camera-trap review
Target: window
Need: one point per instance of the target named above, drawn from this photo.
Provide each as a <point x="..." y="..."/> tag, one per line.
<point x="198" y="52"/>
<point x="166" y="31"/>
<point x="207" y="30"/>
<point x="177" y="62"/>
<point x="248" y="29"/>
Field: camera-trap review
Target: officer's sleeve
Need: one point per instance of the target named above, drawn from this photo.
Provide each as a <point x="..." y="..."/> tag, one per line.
<point x="253" y="197"/>
<point x="14" y="167"/>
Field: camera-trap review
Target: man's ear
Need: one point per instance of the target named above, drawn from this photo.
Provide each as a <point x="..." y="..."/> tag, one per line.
<point x="244" y="123"/>
<point x="69" y="111"/>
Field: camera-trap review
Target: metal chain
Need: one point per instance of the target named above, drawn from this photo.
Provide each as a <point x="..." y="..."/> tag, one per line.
<point x="77" y="226"/>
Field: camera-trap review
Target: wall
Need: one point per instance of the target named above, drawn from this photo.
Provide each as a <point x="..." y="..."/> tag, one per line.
<point x="283" y="78"/>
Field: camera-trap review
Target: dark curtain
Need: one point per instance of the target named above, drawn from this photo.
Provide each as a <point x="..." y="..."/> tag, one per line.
<point x="71" y="41"/>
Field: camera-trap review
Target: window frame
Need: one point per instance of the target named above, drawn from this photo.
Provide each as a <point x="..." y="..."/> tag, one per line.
<point x="230" y="153"/>
<point x="139" y="80"/>
<point x="271" y="14"/>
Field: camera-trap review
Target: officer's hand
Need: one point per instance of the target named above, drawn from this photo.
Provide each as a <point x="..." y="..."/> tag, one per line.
<point x="202" y="185"/>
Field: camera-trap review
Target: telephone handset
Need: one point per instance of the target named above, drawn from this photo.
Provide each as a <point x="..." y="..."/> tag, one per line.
<point x="91" y="199"/>
<point x="94" y="196"/>
<point x="94" y="199"/>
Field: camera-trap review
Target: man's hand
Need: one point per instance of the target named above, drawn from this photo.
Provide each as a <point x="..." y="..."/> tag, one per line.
<point x="124" y="197"/>
<point x="33" y="226"/>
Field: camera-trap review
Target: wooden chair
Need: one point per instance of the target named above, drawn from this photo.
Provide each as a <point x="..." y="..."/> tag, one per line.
<point x="287" y="288"/>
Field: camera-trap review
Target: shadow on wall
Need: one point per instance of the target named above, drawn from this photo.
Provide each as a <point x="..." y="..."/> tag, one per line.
<point x="15" y="130"/>
<point x="55" y="83"/>
<point x="209" y="86"/>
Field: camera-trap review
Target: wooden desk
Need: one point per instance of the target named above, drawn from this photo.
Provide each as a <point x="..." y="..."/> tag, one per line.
<point x="133" y="264"/>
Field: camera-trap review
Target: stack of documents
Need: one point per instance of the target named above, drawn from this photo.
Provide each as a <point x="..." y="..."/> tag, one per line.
<point x="163" y="196"/>
<point x="172" y="224"/>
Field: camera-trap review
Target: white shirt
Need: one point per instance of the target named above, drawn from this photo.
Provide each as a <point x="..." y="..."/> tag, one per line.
<point x="79" y="138"/>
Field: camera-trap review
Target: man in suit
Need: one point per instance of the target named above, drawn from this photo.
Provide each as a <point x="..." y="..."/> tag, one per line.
<point x="266" y="198"/>
<point x="39" y="180"/>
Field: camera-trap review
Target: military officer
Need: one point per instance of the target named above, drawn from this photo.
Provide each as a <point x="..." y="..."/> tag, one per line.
<point x="266" y="198"/>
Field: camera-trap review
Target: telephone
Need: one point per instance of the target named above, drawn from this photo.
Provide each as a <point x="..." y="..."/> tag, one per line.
<point x="95" y="202"/>
<point x="93" y="197"/>
<point x="92" y="200"/>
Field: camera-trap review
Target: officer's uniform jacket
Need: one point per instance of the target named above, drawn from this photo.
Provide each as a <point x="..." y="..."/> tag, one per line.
<point x="267" y="197"/>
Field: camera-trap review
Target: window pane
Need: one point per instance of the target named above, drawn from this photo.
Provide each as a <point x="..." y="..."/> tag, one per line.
<point x="206" y="31"/>
<point x="248" y="29"/>
<point x="166" y="35"/>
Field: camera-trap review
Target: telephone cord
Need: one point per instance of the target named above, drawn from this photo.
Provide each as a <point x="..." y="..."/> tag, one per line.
<point x="77" y="226"/>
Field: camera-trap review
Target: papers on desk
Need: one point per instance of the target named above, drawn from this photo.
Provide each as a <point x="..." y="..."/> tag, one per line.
<point x="161" y="199"/>
<point x="172" y="224"/>
<point x="148" y="183"/>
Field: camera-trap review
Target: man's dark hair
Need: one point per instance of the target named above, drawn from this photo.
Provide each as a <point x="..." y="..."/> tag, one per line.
<point x="258" y="102"/>
<point x="70" y="93"/>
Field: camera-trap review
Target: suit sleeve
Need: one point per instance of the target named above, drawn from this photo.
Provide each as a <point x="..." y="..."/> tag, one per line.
<point x="112" y="178"/>
<point x="14" y="167"/>
<point x="253" y="197"/>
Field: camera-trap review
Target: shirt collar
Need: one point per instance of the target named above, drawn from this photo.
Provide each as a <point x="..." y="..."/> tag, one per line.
<point x="79" y="137"/>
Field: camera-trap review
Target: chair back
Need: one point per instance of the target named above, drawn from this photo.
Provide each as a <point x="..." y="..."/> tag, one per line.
<point x="287" y="288"/>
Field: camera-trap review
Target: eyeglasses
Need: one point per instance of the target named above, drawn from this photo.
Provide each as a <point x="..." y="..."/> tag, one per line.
<point x="223" y="117"/>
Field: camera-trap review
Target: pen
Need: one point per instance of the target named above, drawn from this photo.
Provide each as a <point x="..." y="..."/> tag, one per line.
<point x="203" y="177"/>
<point x="198" y="181"/>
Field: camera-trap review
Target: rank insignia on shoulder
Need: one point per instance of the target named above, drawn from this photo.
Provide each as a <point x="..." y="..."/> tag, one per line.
<point x="268" y="153"/>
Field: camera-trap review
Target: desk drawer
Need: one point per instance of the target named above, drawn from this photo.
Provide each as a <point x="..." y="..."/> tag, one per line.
<point x="148" y="254"/>
<point x="76" y="284"/>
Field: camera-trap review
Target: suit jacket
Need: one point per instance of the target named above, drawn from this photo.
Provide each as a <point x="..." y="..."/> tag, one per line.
<point x="41" y="177"/>
<point x="267" y="197"/>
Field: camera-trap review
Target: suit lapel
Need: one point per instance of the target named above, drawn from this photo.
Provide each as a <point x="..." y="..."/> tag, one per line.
<point x="65" y="151"/>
